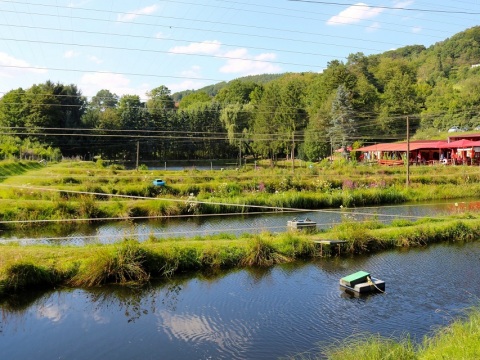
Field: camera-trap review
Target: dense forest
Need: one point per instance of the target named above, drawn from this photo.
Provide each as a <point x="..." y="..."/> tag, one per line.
<point x="362" y="100"/>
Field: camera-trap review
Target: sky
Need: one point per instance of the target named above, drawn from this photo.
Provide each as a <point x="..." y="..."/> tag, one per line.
<point x="132" y="47"/>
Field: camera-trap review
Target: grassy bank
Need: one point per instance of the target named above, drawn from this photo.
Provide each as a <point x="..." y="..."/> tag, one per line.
<point x="24" y="267"/>
<point x="86" y="190"/>
<point x="460" y="340"/>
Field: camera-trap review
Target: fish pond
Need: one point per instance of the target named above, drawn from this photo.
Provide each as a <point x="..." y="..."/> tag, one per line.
<point x="295" y="309"/>
<point x="190" y="226"/>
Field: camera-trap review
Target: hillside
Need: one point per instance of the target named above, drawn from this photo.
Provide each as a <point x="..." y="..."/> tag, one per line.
<point x="213" y="90"/>
<point x="366" y="99"/>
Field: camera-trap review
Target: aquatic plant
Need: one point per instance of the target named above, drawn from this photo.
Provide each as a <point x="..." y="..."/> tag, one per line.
<point x="262" y="252"/>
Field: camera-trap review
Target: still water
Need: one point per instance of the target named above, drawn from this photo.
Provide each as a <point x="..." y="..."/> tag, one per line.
<point x="190" y="226"/>
<point x="246" y="314"/>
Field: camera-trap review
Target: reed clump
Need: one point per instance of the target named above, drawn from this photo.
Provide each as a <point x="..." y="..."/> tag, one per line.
<point x="124" y="264"/>
<point x="262" y="252"/>
<point x="26" y="275"/>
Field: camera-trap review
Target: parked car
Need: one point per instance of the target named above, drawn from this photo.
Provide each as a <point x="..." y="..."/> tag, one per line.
<point x="455" y="129"/>
<point x="159" y="182"/>
<point x="476" y="128"/>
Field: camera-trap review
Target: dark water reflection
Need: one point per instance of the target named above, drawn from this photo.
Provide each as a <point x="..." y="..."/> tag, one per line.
<point x="111" y="232"/>
<point x="246" y="314"/>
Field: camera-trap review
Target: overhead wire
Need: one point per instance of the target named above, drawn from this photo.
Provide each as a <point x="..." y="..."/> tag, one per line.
<point x="228" y="8"/>
<point x="388" y="7"/>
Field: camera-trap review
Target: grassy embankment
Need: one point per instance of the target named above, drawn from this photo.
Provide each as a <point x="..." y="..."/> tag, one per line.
<point x="86" y="190"/>
<point x="458" y="341"/>
<point x="24" y="267"/>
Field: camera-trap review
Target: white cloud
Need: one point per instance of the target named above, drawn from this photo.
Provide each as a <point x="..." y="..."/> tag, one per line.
<point x="130" y="16"/>
<point x="243" y="63"/>
<point x="73" y="4"/>
<point x="204" y="47"/>
<point x="417" y="29"/>
<point x="187" y="327"/>
<point x="10" y="66"/>
<point x="94" y="59"/>
<point x="193" y="72"/>
<point x="55" y="313"/>
<point x="354" y="14"/>
<point x="70" y="54"/>
<point x="374" y="27"/>
<point x="186" y="85"/>
<point x="161" y="35"/>
<point x="402" y="3"/>
<point x="117" y="83"/>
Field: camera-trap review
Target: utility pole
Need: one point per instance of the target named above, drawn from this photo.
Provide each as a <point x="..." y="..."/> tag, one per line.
<point x="408" y="153"/>
<point x="293" y="152"/>
<point x="240" y="153"/>
<point x="138" y="151"/>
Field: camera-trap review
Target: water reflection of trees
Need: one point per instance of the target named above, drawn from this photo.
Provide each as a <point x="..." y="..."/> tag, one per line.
<point x="135" y="301"/>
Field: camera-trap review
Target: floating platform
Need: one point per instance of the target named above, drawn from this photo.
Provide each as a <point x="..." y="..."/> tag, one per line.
<point x="301" y="224"/>
<point x="362" y="283"/>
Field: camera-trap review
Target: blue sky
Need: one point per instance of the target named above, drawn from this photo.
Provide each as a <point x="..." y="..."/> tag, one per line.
<point x="131" y="47"/>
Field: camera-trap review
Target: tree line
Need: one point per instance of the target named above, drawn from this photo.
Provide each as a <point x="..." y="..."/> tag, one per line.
<point x="307" y="115"/>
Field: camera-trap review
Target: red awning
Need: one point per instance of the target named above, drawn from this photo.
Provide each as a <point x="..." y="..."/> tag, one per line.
<point x="463" y="143"/>
<point x="414" y="145"/>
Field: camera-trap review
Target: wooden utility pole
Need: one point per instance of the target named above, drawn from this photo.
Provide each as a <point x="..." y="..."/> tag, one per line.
<point x="408" y="154"/>
<point x="138" y="151"/>
<point x="240" y="153"/>
<point x="293" y="152"/>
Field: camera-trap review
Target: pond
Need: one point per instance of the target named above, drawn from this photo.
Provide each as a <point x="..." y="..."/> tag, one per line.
<point x="246" y="314"/>
<point x="190" y="226"/>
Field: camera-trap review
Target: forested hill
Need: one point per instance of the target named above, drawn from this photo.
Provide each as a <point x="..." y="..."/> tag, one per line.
<point x="213" y="90"/>
<point x="365" y="99"/>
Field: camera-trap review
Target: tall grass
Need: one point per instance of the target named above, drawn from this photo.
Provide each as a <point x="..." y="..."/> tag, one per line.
<point x="122" y="264"/>
<point x="23" y="275"/>
<point x="263" y="252"/>
<point x="372" y="347"/>
<point x="459" y="340"/>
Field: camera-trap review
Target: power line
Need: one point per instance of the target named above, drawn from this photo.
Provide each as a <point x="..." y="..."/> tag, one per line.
<point x="215" y="22"/>
<point x="204" y="42"/>
<point x="164" y="52"/>
<point x="387" y="7"/>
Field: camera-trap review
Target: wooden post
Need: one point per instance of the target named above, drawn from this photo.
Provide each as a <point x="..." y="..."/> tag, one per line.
<point x="408" y="154"/>
<point x="138" y="151"/>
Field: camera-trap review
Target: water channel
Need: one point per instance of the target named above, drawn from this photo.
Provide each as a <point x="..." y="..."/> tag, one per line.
<point x="246" y="314"/>
<point x="190" y="226"/>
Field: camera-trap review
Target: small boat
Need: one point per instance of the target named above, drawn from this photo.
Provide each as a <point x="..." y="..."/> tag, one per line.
<point x="301" y="224"/>
<point x="362" y="282"/>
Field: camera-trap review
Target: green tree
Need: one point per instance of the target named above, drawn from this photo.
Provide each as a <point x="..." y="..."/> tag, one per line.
<point x="103" y="100"/>
<point x="237" y="119"/>
<point x="399" y="98"/>
<point x="12" y="109"/>
<point x="160" y="99"/>
<point x="342" y="127"/>
<point x="194" y="98"/>
<point x="236" y="91"/>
